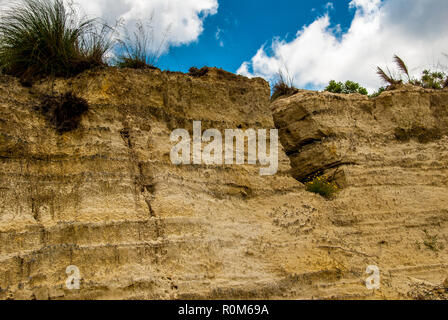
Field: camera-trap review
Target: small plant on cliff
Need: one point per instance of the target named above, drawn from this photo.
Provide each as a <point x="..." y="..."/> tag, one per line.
<point x="378" y="92"/>
<point x="283" y="87"/>
<point x="391" y="79"/>
<point x="387" y="77"/>
<point x="347" y="87"/>
<point x="432" y="242"/>
<point x="48" y="38"/>
<point x="323" y="186"/>
<point x="137" y="50"/>
<point x="197" y="73"/>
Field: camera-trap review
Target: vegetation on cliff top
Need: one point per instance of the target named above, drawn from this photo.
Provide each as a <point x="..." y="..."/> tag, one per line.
<point x="41" y="38"/>
<point x="134" y="50"/>
<point x="47" y="37"/>
<point x="283" y="87"/>
<point x="428" y="80"/>
<point x="347" y="87"/>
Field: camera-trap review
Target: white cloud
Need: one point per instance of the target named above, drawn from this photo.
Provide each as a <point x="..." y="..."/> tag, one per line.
<point x="218" y="37"/>
<point x="413" y="29"/>
<point x="329" y="6"/>
<point x="174" y="22"/>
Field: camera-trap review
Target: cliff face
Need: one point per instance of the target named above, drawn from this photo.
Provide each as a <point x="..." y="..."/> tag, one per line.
<point x="391" y="156"/>
<point x="107" y="199"/>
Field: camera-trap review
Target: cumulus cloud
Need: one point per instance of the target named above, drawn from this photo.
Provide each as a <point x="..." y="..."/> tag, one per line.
<point x="173" y="22"/>
<point x="413" y="29"/>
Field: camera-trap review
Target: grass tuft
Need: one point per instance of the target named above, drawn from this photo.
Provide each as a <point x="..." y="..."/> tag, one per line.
<point x="135" y="49"/>
<point x="387" y="77"/>
<point x="197" y="73"/>
<point x="402" y="66"/>
<point x="283" y="87"/>
<point x="41" y="38"/>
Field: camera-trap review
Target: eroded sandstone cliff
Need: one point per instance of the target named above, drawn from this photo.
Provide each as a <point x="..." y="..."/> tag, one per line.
<point x="107" y="199"/>
<point x="390" y="154"/>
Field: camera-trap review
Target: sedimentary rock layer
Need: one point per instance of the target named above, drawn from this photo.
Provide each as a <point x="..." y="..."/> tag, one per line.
<point x="107" y="199"/>
<point x="390" y="154"/>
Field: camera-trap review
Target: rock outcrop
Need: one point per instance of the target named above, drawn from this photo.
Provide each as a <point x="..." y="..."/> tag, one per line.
<point x="390" y="154"/>
<point x="107" y="199"/>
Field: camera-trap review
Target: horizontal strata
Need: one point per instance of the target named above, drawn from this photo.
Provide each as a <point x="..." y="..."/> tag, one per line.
<point x="393" y="206"/>
<point x="106" y="198"/>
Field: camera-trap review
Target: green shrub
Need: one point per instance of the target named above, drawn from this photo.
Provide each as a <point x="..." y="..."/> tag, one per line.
<point x="323" y="186"/>
<point x="335" y="87"/>
<point x="47" y="38"/>
<point x="431" y="80"/>
<point x="347" y="87"/>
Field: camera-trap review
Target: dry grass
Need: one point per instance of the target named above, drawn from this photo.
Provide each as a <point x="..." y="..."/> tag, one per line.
<point x="197" y="73"/>
<point x="137" y="50"/>
<point x="283" y="87"/>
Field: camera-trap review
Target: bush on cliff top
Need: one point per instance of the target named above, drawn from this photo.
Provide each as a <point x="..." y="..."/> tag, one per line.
<point x="432" y="80"/>
<point x="47" y="38"/>
<point x="346" y="88"/>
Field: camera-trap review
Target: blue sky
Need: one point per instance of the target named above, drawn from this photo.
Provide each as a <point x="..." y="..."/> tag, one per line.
<point x="313" y="41"/>
<point x="244" y="26"/>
